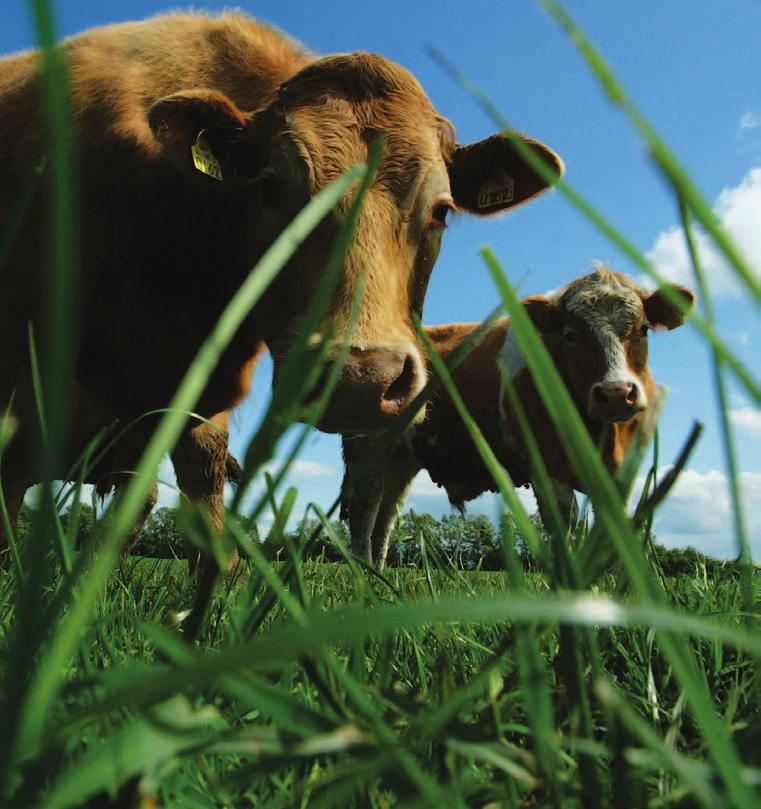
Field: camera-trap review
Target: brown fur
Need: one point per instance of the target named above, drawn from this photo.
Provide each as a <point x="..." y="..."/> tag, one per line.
<point x="163" y="247"/>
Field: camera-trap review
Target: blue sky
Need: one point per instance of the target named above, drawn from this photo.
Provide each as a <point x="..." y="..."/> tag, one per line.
<point x="694" y="68"/>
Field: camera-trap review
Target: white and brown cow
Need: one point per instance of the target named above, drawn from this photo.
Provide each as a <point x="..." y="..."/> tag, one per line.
<point x="166" y="237"/>
<point x="595" y="330"/>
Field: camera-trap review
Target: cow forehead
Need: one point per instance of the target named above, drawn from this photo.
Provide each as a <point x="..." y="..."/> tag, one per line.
<point x="337" y="107"/>
<point x="334" y="135"/>
<point x="604" y="300"/>
<point x="360" y="78"/>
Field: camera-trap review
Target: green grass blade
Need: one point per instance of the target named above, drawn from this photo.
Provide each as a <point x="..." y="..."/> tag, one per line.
<point x="169" y="730"/>
<point x="611" y="514"/>
<point x="627" y="247"/>
<point x="291" y="386"/>
<point x="700" y="786"/>
<point x="664" y="158"/>
<point x="15" y="217"/>
<point x="47" y="677"/>
<point x="498" y="473"/>
<point x="284" y="644"/>
<point x="730" y="456"/>
<point x="59" y="310"/>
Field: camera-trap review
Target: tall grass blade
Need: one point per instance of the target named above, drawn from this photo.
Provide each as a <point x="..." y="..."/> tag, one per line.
<point x="290" y="386"/>
<point x="744" y="377"/>
<point x="47" y="677"/>
<point x="691" y="775"/>
<point x="59" y="310"/>
<point x="611" y="514"/>
<point x="684" y="188"/>
<point x="730" y="456"/>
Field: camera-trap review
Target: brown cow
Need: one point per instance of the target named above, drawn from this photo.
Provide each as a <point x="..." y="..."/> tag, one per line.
<point x="595" y="330"/>
<point x="164" y="246"/>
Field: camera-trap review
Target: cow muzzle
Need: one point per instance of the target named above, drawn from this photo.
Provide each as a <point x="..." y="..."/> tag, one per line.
<point x="616" y="401"/>
<point x="375" y="386"/>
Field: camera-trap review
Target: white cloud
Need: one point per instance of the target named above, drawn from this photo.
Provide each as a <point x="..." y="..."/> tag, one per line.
<point x="747" y="419"/>
<point x="167" y="483"/>
<point x="750" y="120"/>
<point x="423" y="486"/>
<point x="488" y="503"/>
<point x="169" y="493"/>
<point x="311" y="469"/>
<point x="739" y="211"/>
<point x="698" y="512"/>
<point x="301" y="468"/>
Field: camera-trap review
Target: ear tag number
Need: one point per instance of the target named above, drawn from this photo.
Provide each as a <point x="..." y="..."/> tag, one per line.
<point x="204" y="160"/>
<point x="496" y="191"/>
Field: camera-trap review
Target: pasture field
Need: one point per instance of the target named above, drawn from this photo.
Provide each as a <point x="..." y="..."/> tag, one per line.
<point x="484" y="711"/>
<point x="592" y="680"/>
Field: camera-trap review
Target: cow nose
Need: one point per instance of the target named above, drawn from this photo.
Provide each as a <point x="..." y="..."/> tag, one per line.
<point x="375" y="384"/>
<point x="399" y="384"/>
<point x="617" y="401"/>
<point x="383" y="378"/>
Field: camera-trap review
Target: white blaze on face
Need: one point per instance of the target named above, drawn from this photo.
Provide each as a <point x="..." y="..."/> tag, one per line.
<point x="609" y="308"/>
<point x="617" y="371"/>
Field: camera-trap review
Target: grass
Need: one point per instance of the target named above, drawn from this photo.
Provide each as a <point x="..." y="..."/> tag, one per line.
<point x="308" y="711"/>
<point x="584" y="684"/>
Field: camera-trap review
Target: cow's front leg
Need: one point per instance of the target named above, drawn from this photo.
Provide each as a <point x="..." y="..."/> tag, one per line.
<point x="362" y="491"/>
<point x="200" y="463"/>
<point x="400" y="473"/>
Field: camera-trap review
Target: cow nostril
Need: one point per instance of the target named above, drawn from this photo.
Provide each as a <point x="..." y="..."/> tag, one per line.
<point x="616" y="396"/>
<point x="398" y="391"/>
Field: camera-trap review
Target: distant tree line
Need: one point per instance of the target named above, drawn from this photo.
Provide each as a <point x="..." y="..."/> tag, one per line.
<point x="471" y="542"/>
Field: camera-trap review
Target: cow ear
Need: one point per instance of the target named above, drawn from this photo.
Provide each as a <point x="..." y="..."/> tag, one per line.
<point x="661" y="313"/>
<point x="544" y="313"/>
<point x="490" y="176"/>
<point x="184" y="121"/>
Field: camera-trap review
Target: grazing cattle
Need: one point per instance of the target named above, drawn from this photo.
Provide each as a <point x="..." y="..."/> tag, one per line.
<point x="164" y="245"/>
<point x="595" y="330"/>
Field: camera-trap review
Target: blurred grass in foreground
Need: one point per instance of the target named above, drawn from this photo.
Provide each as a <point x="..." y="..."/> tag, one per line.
<point x="327" y="685"/>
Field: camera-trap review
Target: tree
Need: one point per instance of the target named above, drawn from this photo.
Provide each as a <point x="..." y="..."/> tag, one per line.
<point x="160" y="536"/>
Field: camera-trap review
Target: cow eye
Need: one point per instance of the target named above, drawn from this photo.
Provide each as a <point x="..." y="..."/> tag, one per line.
<point x="439" y="211"/>
<point x="268" y="184"/>
<point x="644" y="329"/>
<point x="570" y="336"/>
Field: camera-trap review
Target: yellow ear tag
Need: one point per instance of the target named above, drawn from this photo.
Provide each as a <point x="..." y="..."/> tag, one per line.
<point x="204" y="160"/>
<point x="499" y="190"/>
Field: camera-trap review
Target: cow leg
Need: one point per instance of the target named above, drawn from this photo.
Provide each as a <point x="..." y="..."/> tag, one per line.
<point x="363" y="512"/>
<point x="200" y="463"/>
<point x="399" y="476"/>
<point x="125" y="460"/>
<point x="366" y="499"/>
<point x="362" y="492"/>
<point x="566" y="502"/>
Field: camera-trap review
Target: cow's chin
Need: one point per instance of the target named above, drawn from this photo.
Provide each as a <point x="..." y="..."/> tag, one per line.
<point x="375" y="385"/>
<point x="620" y="416"/>
<point x="361" y="423"/>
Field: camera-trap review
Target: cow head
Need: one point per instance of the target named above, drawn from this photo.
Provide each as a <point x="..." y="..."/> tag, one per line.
<point x="599" y="325"/>
<point x="317" y="125"/>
